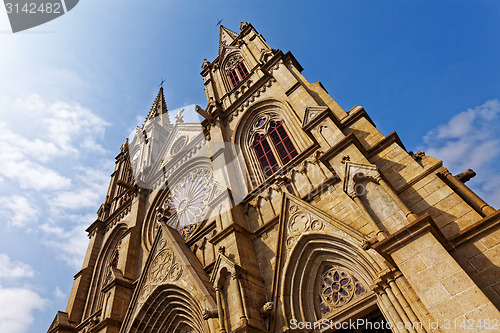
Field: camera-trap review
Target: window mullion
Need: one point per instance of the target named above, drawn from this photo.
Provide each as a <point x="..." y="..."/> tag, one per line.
<point x="274" y="150"/>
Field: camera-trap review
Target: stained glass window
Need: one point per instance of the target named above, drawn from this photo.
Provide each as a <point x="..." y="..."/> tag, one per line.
<point x="282" y="142"/>
<point x="265" y="155"/>
<point x="242" y="70"/>
<point x="114" y="262"/>
<point x="338" y="287"/>
<point x="236" y="69"/>
<point x="189" y="199"/>
<point x="233" y="77"/>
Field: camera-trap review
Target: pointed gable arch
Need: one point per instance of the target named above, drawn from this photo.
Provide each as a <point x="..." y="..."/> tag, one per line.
<point x="310" y="244"/>
<point x="103" y="269"/>
<point x="173" y="290"/>
<point x="170" y="309"/>
<point x="315" y="254"/>
<point x="258" y="120"/>
<point x="234" y="67"/>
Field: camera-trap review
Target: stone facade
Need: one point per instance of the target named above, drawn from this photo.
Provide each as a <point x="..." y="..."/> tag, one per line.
<point x="336" y="221"/>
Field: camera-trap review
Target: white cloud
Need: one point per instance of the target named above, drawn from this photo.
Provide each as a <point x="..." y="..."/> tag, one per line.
<point x="53" y="167"/>
<point x="70" y="245"/>
<point x="14" y="270"/>
<point x="82" y="198"/>
<point x="471" y="139"/>
<point x="47" y="131"/>
<point x="16" y="309"/>
<point x="93" y="184"/>
<point x="30" y="175"/>
<point x="18" y="210"/>
<point x="58" y="293"/>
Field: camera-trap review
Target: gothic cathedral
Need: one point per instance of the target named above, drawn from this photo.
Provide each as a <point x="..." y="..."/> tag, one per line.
<point x="281" y="212"/>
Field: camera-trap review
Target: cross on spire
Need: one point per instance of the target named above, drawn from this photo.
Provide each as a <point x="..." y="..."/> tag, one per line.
<point x="161" y="84"/>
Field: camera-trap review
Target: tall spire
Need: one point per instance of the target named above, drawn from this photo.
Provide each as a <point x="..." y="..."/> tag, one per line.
<point x="226" y="37"/>
<point x="159" y="108"/>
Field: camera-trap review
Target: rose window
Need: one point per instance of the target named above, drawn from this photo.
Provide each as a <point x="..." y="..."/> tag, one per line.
<point x="189" y="199"/>
<point x="338" y="287"/>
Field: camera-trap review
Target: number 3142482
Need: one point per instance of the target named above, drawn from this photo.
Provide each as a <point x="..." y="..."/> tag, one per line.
<point x="33" y="8"/>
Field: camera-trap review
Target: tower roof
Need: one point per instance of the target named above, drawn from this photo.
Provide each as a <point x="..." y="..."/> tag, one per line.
<point x="226" y="37"/>
<point x="159" y="107"/>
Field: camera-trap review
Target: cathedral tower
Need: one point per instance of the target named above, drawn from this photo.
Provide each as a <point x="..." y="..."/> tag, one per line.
<point x="280" y="212"/>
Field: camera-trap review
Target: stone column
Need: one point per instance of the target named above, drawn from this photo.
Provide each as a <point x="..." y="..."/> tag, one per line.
<point x="410" y="216"/>
<point x="469" y="196"/>
<point x="220" y="310"/>
<point x="416" y="304"/>
<point x="241" y="307"/>
<point x="397" y="305"/>
<point x="378" y="233"/>
<point x="390" y="308"/>
<point x="404" y="303"/>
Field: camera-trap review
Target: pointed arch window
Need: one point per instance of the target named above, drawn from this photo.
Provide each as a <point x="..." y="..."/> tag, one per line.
<point x="265" y="155"/>
<point x="282" y="142"/>
<point x="271" y="142"/>
<point x="129" y="175"/>
<point x="236" y="70"/>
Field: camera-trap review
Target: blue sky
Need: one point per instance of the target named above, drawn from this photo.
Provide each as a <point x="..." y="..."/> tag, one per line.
<point x="72" y="90"/>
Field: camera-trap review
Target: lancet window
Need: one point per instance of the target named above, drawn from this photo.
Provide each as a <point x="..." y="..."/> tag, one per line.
<point x="272" y="145"/>
<point x="236" y="70"/>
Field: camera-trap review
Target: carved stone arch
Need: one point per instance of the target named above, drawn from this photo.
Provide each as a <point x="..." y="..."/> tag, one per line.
<point x="102" y="269"/>
<point x="150" y="226"/>
<point x="280" y="110"/>
<point x="170" y="308"/>
<point x="230" y="57"/>
<point x="301" y="290"/>
<point x="227" y="52"/>
<point x="269" y="110"/>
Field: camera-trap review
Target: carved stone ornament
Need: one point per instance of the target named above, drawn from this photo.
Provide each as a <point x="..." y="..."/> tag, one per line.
<point x="266" y="309"/>
<point x="261" y="124"/>
<point x="300" y="222"/>
<point x="163" y="269"/>
<point x="233" y="61"/>
<point x="205" y="64"/>
<point x="356" y="174"/>
<point x="312" y="113"/>
<point x="338" y="287"/>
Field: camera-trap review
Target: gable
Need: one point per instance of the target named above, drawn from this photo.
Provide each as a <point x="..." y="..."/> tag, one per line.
<point x="170" y="265"/>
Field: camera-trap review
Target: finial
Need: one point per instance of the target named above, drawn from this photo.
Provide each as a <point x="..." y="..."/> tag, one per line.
<point x="219" y="22"/>
<point x="161" y="84"/>
<point x="205" y="64"/>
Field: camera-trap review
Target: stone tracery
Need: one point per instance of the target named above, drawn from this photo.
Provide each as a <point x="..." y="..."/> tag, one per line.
<point x="338" y="287"/>
<point x="188" y="202"/>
